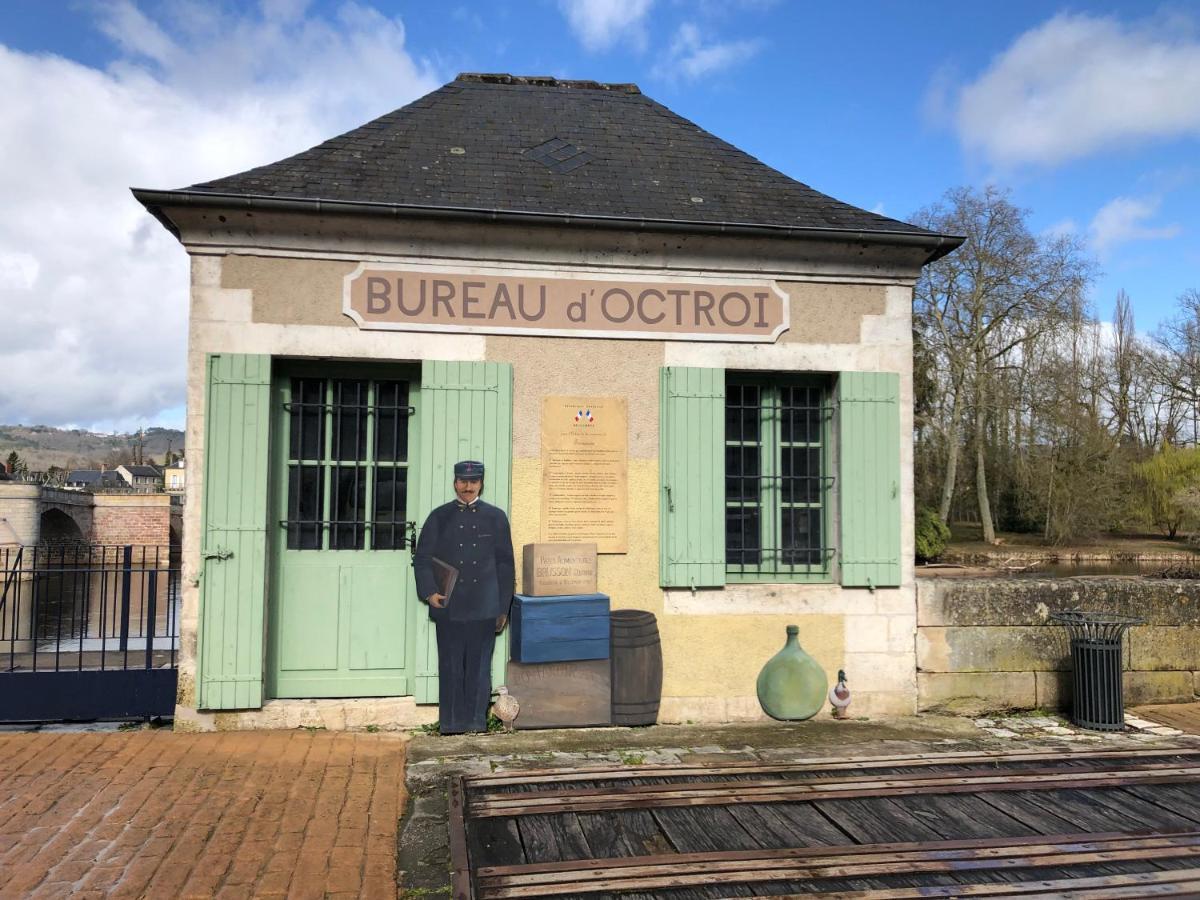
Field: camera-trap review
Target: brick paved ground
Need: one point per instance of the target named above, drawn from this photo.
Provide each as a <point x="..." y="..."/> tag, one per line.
<point x="156" y="814"/>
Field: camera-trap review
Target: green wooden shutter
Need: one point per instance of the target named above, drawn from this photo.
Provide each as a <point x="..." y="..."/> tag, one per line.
<point x="869" y="478"/>
<point x="465" y="412"/>
<point x="692" y="477"/>
<point x="234" y="528"/>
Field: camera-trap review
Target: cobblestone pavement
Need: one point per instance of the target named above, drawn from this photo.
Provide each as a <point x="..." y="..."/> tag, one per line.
<point x="155" y="814"/>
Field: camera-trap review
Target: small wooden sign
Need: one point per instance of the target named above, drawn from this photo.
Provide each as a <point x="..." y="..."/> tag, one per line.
<point x="554" y="569"/>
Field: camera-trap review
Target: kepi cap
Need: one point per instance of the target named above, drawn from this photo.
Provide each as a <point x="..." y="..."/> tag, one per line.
<point x="468" y="468"/>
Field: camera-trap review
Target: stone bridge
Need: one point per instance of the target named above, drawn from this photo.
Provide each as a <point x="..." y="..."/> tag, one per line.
<point x="34" y="514"/>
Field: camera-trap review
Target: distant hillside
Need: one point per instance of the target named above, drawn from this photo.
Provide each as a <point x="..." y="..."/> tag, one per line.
<point x="41" y="446"/>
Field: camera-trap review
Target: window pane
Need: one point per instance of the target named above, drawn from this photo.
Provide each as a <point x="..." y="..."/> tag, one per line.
<point x="742" y="481"/>
<point x="349" y="420"/>
<point x="391" y="421"/>
<point x="391" y="497"/>
<point x="801" y="415"/>
<point x="802" y="537"/>
<point x="307" y="419"/>
<point x="304" y="507"/>
<point x="742" y="544"/>
<point x="348" y="507"/>
<point x="751" y="413"/>
<point x="801" y="470"/>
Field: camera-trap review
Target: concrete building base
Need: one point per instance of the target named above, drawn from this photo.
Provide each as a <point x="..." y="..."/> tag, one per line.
<point x="364" y="713"/>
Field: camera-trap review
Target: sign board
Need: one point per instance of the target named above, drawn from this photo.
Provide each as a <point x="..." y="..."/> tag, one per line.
<point x="585" y="472"/>
<point x="379" y="296"/>
<point x="549" y="570"/>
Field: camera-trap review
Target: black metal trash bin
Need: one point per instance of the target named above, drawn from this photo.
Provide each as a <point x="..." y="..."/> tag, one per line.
<point x="1097" y="691"/>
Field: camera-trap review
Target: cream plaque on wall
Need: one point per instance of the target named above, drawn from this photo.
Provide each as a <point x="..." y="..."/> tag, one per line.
<point x="585" y="471"/>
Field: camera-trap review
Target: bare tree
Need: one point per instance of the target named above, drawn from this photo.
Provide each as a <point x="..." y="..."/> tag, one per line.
<point x="981" y="304"/>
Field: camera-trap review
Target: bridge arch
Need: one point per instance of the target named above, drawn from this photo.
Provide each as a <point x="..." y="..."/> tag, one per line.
<point x="57" y="527"/>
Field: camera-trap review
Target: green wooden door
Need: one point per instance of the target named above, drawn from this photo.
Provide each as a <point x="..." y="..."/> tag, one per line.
<point x="692" y="477"/>
<point x="343" y="592"/>
<point x="465" y="409"/>
<point x="234" y="528"/>
<point x="869" y="468"/>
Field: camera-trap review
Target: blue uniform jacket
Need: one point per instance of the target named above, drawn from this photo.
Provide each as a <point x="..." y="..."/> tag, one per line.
<point x="477" y="541"/>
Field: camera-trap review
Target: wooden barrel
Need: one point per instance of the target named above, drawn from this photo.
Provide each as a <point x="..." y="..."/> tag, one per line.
<point x="636" y="667"/>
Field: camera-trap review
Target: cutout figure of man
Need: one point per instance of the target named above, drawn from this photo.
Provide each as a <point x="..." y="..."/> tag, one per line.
<point x="474" y="537"/>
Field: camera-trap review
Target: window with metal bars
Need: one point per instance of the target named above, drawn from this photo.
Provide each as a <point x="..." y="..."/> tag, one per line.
<point x="777" y="478"/>
<point x="347" y="463"/>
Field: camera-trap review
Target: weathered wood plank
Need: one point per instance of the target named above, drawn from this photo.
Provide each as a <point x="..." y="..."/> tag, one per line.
<point x="1181" y="883"/>
<point x="494" y="841"/>
<point x="616" y="880"/>
<point x="1183" y="800"/>
<point x="967" y="848"/>
<point x="722" y="795"/>
<point x="461" y="885"/>
<point x="875" y="821"/>
<point x="553" y="838"/>
<point x="712" y="828"/>
<point x="830" y="763"/>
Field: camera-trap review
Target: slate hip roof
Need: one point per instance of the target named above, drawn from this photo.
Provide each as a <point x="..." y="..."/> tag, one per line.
<point x="504" y="147"/>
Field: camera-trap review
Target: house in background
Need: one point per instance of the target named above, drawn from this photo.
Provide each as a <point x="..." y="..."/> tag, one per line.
<point x="92" y="479"/>
<point x="175" y="477"/>
<point x="145" y="477"/>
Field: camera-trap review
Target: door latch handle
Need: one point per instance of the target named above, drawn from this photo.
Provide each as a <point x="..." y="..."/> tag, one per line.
<point x="410" y="540"/>
<point x="219" y="554"/>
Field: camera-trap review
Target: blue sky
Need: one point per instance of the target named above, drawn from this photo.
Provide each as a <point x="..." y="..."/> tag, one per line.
<point x="1089" y="113"/>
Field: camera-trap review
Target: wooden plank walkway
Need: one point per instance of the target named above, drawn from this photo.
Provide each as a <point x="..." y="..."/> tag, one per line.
<point x="1112" y="823"/>
<point x="1184" y="716"/>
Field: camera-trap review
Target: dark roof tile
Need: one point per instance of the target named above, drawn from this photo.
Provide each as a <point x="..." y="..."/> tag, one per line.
<point x="643" y="162"/>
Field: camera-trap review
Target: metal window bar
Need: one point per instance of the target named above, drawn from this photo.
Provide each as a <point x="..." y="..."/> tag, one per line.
<point x="363" y="433"/>
<point x="776" y="512"/>
<point x="81" y="608"/>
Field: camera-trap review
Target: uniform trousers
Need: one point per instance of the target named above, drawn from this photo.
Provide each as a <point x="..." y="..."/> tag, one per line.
<point x="464" y="674"/>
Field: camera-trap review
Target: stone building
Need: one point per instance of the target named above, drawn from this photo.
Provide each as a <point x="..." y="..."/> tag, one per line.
<point x="487" y="273"/>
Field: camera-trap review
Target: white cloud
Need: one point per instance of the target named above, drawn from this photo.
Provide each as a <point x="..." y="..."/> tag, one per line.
<point x="689" y="57"/>
<point x="1121" y="220"/>
<point x="1061" y="228"/>
<point x="1078" y="84"/>
<point x="601" y="23"/>
<point x="93" y="290"/>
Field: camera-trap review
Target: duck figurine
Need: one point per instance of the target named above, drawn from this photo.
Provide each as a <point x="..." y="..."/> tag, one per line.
<point x="839" y="696"/>
<point x="506" y="708"/>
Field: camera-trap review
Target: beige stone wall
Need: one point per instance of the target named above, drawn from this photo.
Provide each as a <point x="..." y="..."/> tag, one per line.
<point x="20" y="512"/>
<point x="285" y="301"/>
<point x="989" y="644"/>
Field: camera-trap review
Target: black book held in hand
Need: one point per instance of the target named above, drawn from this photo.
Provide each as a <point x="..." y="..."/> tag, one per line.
<point x="445" y="576"/>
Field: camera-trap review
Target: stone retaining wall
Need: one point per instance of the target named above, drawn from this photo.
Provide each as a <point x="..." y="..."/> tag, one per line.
<point x="988" y="643"/>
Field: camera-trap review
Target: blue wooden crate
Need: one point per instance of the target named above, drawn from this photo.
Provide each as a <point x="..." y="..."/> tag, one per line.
<point x="560" y="629"/>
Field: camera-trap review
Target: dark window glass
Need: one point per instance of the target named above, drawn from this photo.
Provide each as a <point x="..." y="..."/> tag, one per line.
<point x="391" y="498"/>
<point x="750" y="413"/>
<point x="391" y="421"/>
<point x="350" y="420"/>
<point x="802" y="537"/>
<point x="304" y="507"/>
<point x="742" y="473"/>
<point x="742" y="544"/>
<point x="307" y="431"/>
<point x="348" y="507"/>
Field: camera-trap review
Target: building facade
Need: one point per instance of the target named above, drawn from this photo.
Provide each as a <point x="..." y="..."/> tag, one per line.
<point x="453" y="279"/>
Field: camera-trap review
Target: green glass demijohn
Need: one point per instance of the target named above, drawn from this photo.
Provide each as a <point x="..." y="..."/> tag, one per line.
<point x="791" y="686"/>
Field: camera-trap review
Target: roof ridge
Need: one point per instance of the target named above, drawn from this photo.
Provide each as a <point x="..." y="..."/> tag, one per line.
<point x="626" y="87"/>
